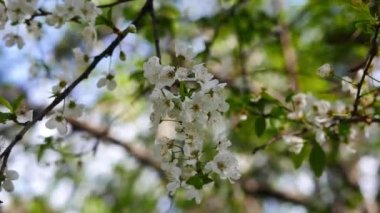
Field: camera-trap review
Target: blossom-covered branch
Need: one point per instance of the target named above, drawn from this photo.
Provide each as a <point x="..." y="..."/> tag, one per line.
<point x="62" y="95"/>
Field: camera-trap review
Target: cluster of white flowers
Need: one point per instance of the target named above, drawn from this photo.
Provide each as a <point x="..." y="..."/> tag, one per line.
<point x="189" y="96"/>
<point x="18" y="12"/>
<point x="318" y="114"/>
<point x="325" y="71"/>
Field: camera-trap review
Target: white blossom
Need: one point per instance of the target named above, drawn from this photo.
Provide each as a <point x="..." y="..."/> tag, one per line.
<point x="73" y="109"/>
<point x="224" y="164"/>
<point x="57" y="122"/>
<point x="17" y="10"/>
<point x="166" y="77"/>
<point x="151" y="69"/>
<point x="295" y="143"/>
<point x="192" y="193"/>
<point x="9" y="176"/>
<point x="88" y="12"/>
<point x="34" y="27"/>
<point x="90" y="36"/>
<point x="320" y="136"/>
<point x="194" y="108"/>
<point x="184" y="50"/>
<point x="347" y="85"/>
<point x="173" y="173"/>
<point x="325" y="71"/>
<point x="25" y="116"/>
<point x="12" y="39"/>
<point x="300" y="101"/>
<point x="107" y="81"/>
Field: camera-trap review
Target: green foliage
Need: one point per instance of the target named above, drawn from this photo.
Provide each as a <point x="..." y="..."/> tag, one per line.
<point x="260" y="126"/>
<point x="317" y="159"/>
<point x="6" y="103"/>
<point x="298" y="159"/>
<point x="199" y="180"/>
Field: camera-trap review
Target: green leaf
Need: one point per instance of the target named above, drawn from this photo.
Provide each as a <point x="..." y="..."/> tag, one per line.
<point x="109" y="14"/>
<point x="16" y="103"/>
<point x="199" y="180"/>
<point x="344" y="128"/>
<point x="101" y="20"/>
<point x="5" y="103"/>
<point x="5" y="116"/>
<point x="298" y="159"/>
<point x="317" y="159"/>
<point x="260" y="126"/>
<point x="182" y="90"/>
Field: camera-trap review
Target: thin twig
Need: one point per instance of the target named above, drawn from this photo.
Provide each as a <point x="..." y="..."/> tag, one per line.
<point x="371" y="77"/>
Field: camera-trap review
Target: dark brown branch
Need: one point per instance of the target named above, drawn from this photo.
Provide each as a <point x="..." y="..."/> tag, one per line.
<point x="107" y="52"/>
<point x="372" y="53"/>
<point x="155" y="30"/>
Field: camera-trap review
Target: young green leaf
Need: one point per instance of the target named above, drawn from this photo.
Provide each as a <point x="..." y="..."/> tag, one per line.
<point x="317" y="159"/>
<point x="298" y="159"/>
<point x="260" y="126"/>
<point x="5" y="103"/>
<point x="16" y="103"/>
<point x="199" y="180"/>
<point x="4" y="116"/>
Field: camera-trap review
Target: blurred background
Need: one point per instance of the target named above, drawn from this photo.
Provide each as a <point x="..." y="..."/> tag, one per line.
<point x="109" y="162"/>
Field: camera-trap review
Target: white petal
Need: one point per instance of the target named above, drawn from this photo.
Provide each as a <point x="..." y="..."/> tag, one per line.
<point x="111" y="85"/>
<point x="8" y="185"/>
<point x="62" y="128"/>
<point x="11" y="174"/>
<point x="101" y="83"/>
<point x="51" y="123"/>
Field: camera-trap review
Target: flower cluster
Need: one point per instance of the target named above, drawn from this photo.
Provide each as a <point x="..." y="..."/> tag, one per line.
<point x="189" y="96"/>
<point x="321" y="115"/>
<point x="18" y="12"/>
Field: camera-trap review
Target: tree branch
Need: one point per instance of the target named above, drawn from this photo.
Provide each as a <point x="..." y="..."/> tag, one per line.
<point x="155" y="30"/>
<point x="107" y="52"/>
<point x="372" y="53"/>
